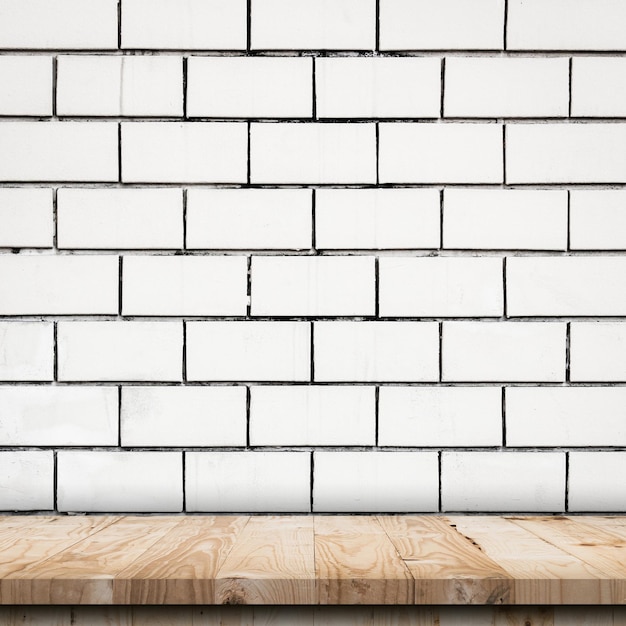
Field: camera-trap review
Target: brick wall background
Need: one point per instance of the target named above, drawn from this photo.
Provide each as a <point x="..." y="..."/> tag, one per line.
<point x="312" y="255"/>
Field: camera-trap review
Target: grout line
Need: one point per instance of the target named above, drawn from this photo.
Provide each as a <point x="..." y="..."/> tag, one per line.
<point x="248" y="414"/>
<point x="504" y="417"/>
<point x="376" y="287"/>
<point x="567" y="481"/>
<point x="120" y="285"/>
<point x="376" y="413"/>
<point x="314" y="90"/>
<point x="568" y="341"/>
<point x="249" y="164"/>
<point x="249" y="287"/>
<point x="440" y="352"/>
<point x="184" y="480"/>
<point x="185" y="75"/>
<point x="55" y="219"/>
<point x="55" y="482"/>
<point x="185" y="218"/>
<point x="119" y="416"/>
<point x="119" y="24"/>
<point x="55" y="353"/>
<point x="314" y="221"/>
<point x="119" y="152"/>
<point x="439" y="473"/>
<point x="443" y="87"/>
<point x="505" y="312"/>
<point x="377" y="36"/>
<point x="55" y="74"/>
<point x="441" y="212"/>
<point x="184" y="352"/>
<point x="504" y="154"/>
<point x="248" y="25"/>
<point x="569" y="102"/>
<point x="377" y="127"/>
<point x="569" y="229"/>
<point x="312" y="350"/>
<point x="506" y="25"/>
<point x="312" y="479"/>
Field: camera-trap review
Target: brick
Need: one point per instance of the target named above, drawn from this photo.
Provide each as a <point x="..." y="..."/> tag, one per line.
<point x="26" y="351"/>
<point x="598" y="352"/>
<point x="588" y="470"/>
<point x="598" y="87"/>
<point x="565" y="153"/>
<point x="120" y="218"/>
<point x="441" y="287"/>
<point x="371" y="87"/>
<point x="504" y="351"/>
<point x="440" y="416"/>
<point x="58" y="151"/>
<point x="506" y="87"/>
<point x="598" y="220"/>
<point x="184" y="285"/>
<point x="133" y="351"/>
<point x="27" y="482"/>
<point x="566" y="286"/>
<point x="248" y="482"/>
<point x="184" y="24"/>
<point x="312" y="416"/>
<point x="375" y="482"/>
<point x="70" y="24"/>
<point x="250" y="87"/>
<point x="251" y="351"/>
<point x="566" y="416"/>
<point x="377" y="218"/>
<point x="210" y="152"/>
<point x="101" y="482"/>
<point x="26" y="85"/>
<point x="440" y="153"/>
<point x="563" y="25"/>
<point x="58" y="416"/>
<point x="299" y="285"/>
<point x="505" y="219"/>
<point x="120" y="85"/>
<point x="313" y="24"/>
<point x="26" y="218"/>
<point x="313" y="153"/>
<point x="376" y="351"/>
<point x="503" y="481"/>
<point x="45" y="284"/>
<point x="241" y="219"/>
<point x="183" y="416"/>
<point x="441" y="25"/>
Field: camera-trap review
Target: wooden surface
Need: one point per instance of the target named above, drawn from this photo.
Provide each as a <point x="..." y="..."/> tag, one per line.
<point x="308" y="560"/>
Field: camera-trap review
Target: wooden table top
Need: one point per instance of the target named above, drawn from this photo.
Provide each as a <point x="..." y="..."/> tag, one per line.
<point x="330" y="560"/>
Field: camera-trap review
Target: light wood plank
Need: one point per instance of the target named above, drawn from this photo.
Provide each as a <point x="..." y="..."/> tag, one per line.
<point x="543" y="573"/>
<point x="495" y="616"/>
<point x="181" y="568"/>
<point x="376" y="616"/>
<point x="613" y="525"/>
<point x="447" y="567"/>
<point x="356" y="563"/>
<point x="270" y="563"/>
<point x="583" y="616"/>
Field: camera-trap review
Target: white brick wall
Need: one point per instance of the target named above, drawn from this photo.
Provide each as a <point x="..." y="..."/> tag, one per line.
<point x="312" y="255"/>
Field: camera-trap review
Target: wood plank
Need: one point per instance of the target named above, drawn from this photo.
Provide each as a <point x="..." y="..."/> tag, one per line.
<point x="610" y="524"/>
<point x="447" y="567"/>
<point x="543" y="573"/>
<point x="182" y="567"/>
<point x="584" y="616"/>
<point x="356" y="563"/>
<point x="270" y="563"/>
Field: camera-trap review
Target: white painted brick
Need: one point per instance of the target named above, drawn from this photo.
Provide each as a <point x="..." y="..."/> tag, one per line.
<point x="249" y="219"/>
<point x="120" y="481"/>
<point x="120" y="85"/>
<point x="242" y="482"/>
<point x="120" y="218"/>
<point x="212" y="152"/>
<point x="441" y="24"/>
<point x="26" y="218"/>
<point x="40" y="284"/>
<point x="566" y="285"/>
<point x="26" y="85"/>
<point x="598" y="220"/>
<point x="566" y="416"/>
<point x="503" y="481"/>
<point x="376" y="351"/>
<point x="70" y="24"/>
<point x="565" y="153"/>
<point x="64" y="151"/>
<point x="58" y="416"/>
<point x="313" y="153"/>
<point x="441" y="286"/>
<point x="506" y="87"/>
<point x="505" y="219"/>
<point x="440" y="153"/>
<point x="312" y="416"/>
<point x="564" y="25"/>
<point x="504" y="351"/>
<point x="598" y="87"/>
<point x="369" y="482"/>
<point x="27" y="481"/>
<point x="377" y="218"/>
<point x="440" y="416"/>
<point x="313" y="24"/>
<point x="378" y="87"/>
<point x="300" y="285"/>
<point x="250" y="87"/>
<point x="184" y="24"/>
<point x="120" y="351"/>
<point x="596" y="481"/>
<point x="26" y="351"/>
<point x="183" y="416"/>
<point x="263" y="351"/>
<point x="598" y="352"/>
<point x="184" y="285"/>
